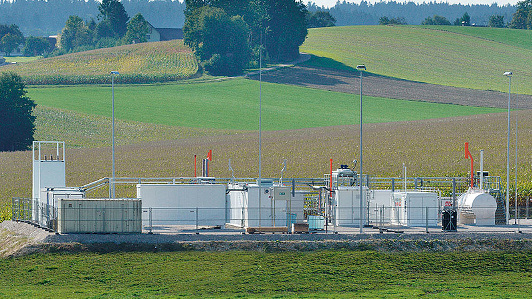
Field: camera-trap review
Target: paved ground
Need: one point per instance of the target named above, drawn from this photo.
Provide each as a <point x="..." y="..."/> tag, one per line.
<point x="170" y="234"/>
<point x="379" y="86"/>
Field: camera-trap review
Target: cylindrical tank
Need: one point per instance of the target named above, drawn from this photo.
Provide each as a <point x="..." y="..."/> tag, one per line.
<point x="477" y="207"/>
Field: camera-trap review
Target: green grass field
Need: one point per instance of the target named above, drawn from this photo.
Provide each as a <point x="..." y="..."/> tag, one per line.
<point x="137" y="63"/>
<point x="341" y="274"/>
<point x="512" y="37"/>
<point x="426" y="55"/>
<point x="233" y="104"/>
<point x="18" y="59"/>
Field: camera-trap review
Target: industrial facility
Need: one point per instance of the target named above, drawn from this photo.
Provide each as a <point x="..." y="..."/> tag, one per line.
<point x="341" y="198"/>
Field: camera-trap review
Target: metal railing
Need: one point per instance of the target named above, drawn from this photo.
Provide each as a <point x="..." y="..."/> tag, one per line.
<point x="187" y="219"/>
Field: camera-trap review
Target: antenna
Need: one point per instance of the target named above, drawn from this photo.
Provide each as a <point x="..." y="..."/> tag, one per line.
<point x="282" y="172"/>
<point x="232" y="172"/>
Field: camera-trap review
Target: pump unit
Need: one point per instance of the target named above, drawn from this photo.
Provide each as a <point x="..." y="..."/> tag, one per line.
<point x="348" y="208"/>
<point x="415" y="208"/>
<point x="269" y="205"/>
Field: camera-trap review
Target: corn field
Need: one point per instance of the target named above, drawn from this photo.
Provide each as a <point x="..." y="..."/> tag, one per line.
<point x="137" y="63"/>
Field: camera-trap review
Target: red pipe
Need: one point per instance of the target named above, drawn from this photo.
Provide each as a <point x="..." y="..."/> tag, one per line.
<point x="330" y="177"/>
<point x="469" y="156"/>
<point x="195" y="168"/>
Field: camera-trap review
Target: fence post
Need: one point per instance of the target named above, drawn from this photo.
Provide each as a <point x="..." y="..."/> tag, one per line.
<point x="527" y="202"/>
<point x="454" y="193"/>
<point x="427" y="220"/>
<point x="150" y="221"/>
<point x="12" y="209"/>
<point x="197" y="226"/>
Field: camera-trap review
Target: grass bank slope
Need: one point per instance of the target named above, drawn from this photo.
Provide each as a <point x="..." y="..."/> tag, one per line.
<point x="433" y="56"/>
<point x="331" y="274"/>
<point x="138" y="63"/>
<point x="233" y="104"/>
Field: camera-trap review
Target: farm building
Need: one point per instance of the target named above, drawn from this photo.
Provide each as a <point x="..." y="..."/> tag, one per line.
<point x="163" y="34"/>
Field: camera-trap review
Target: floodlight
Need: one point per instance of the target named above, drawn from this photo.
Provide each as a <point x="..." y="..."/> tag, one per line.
<point x="361" y="67"/>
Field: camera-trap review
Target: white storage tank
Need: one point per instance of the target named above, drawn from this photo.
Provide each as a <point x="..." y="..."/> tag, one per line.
<point x="277" y="205"/>
<point x="177" y="204"/>
<point x="347" y="206"/>
<point x="476" y="207"/>
<point x="414" y="208"/>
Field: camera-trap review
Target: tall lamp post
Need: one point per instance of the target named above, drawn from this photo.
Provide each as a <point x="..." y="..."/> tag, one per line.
<point x="509" y="75"/>
<point x="113" y="73"/>
<point x="361" y="68"/>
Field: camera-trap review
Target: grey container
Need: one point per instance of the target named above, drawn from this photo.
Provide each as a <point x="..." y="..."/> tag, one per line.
<point x="99" y="216"/>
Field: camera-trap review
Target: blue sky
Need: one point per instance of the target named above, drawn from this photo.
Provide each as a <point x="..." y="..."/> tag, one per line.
<point x="329" y="3"/>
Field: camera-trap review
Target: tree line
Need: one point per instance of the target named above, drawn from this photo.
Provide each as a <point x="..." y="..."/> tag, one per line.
<point x="114" y="27"/>
<point x="44" y="18"/>
<point x="365" y="13"/>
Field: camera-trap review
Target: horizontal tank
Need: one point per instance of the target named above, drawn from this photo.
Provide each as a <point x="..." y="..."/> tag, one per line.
<point x="476" y="207"/>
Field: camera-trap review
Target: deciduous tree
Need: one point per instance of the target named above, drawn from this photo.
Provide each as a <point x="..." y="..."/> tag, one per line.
<point x="36" y="46"/>
<point x="10" y="38"/>
<point x="16" y="119"/>
<point x="221" y="41"/>
<point x="75" y="34"/>
<point x="320" y="18"/>
<point x="137" y="29"/>
<point x="496" y="21"/>
<point x="437" y="20"/>
<point x="114" y="11"/>
<point x="522" y="18"/>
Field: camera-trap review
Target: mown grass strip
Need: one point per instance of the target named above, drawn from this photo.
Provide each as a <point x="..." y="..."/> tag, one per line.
<point x="341" y="274"/>
<point x="233" y="104"/>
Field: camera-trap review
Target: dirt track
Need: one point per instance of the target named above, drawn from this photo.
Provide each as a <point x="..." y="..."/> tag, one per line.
<point x="379" y="86"/>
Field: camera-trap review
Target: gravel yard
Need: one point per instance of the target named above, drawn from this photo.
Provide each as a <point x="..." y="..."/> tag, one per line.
<point x="22" y="238"/>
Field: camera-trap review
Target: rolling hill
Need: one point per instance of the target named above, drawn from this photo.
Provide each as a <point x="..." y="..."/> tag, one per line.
<point x="466" y="58"/>
<point x="137" y="63"/>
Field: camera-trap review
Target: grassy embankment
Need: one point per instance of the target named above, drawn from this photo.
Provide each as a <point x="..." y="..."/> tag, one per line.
<point x="342" y="274"/>
<point x="138" y="63"/>
<point x="466" y="59"/>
